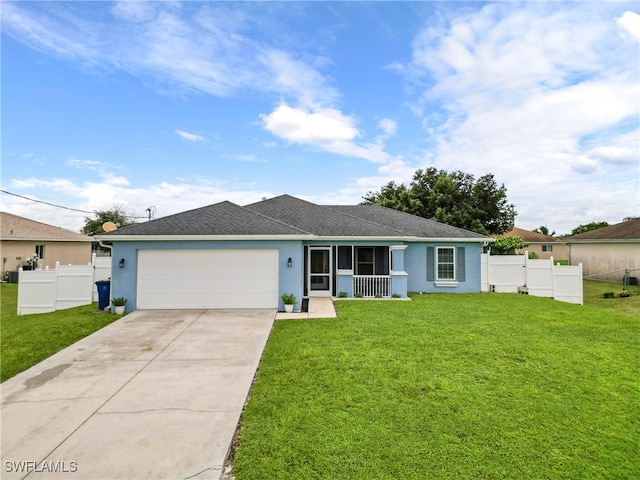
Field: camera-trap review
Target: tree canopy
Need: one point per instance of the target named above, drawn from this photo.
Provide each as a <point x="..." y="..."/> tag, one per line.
<point x="544" y="230"/>
<point x="117" y="215"/>
<point x="588" y="227"/>
<point x="455" y="198"/>
<point x="507" y="245"/>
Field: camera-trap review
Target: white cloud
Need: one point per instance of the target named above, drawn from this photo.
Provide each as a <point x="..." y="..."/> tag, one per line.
<point x="135" y="11"/>
<point x="168" y="197"/>
<point x="326" y="128"/>
<point x="630" y="21"/>
<point x="540" y="96"/>
<point x="389" y="127"/>
<point x="202" y="47"/>
<point x="192" y="137"/>
<point x="614" y="155"/>
<point x="296" y="125"/>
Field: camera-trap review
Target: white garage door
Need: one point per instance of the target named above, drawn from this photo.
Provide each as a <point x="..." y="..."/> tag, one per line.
<point x="184" y="279"/>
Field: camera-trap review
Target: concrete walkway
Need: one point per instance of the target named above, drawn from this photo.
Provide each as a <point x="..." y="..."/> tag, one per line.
<point x="157" y="394"/>
<point x="319" y="307"/>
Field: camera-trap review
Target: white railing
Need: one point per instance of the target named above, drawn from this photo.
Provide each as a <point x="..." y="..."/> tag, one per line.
<point x="372" y="285"/>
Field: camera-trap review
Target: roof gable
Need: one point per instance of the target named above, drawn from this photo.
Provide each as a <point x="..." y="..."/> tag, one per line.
<point x="14" y="227"/>
<point x="289" y="216"/>
<point x="320" y="220"/>
<point x="224" y="218"/>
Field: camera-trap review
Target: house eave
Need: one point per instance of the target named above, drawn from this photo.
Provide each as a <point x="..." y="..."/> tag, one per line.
<point x="408" y="239"/>
<point x="307" y="237"/>
<point x="166" y="238"/>
<point x="603" y="240"/>
<point x="32" y="239"/>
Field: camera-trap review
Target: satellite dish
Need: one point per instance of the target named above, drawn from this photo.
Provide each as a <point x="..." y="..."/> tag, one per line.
<point x="109" y="226"/>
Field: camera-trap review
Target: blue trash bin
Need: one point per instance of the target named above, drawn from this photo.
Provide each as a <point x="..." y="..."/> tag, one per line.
<point x="104" y="290"/>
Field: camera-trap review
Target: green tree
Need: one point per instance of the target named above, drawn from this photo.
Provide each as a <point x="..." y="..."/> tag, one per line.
<point x="507" y="245"/>
<point x="117" y="215"/>
<point x="588" y="227"/>
<point x="544" y="230"/>
<point x="454" y="198"/>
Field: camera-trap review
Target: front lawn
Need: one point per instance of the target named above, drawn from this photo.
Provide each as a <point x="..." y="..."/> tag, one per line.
<point x="447" y="386"/>
<point x="29" y="339"/>
<point x="594" y="290"/>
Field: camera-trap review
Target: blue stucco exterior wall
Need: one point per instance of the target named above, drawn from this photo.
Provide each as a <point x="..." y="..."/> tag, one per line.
<point x="415" y="263"/>
<point x="412" y="260"/>
<point x="124" y="280"/>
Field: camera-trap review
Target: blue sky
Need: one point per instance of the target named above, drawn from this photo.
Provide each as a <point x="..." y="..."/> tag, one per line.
<point x="178" y="105"/>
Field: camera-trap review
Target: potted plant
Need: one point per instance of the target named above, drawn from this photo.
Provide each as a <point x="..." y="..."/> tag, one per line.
<point x="118" y="304"/>
<point x="289" y="300"/>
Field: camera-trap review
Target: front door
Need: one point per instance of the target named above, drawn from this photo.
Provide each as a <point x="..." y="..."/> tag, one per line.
<point x="319" y="271"/>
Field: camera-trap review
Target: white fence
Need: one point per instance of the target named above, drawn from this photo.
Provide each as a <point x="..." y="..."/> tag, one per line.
<point x="66" y="286"/>
<point x="541" y="278"/>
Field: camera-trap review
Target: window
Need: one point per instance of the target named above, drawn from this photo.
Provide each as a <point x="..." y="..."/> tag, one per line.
<point x="345" y="258"/>
<point x="365" y="259"/>
<point x="547" y="248"/>
<point x="40" y="252"/>
<point x="445" y="263"/>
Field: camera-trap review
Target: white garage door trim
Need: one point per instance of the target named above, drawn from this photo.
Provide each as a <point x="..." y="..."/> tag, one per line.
<point x="194" y="279"/>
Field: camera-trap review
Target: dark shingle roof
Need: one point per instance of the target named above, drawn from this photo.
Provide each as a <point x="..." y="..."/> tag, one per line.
<point x="320" y="220"/>
<point x="224" y="218"/>
<point x="629" y="230"/>
<point x="410" y="225"/>
<point x="287" y="215"/>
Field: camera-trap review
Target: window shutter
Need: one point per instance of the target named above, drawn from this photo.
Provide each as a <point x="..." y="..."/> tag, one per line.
<point x="431" y="273"/>
<point x="460" y="264"/>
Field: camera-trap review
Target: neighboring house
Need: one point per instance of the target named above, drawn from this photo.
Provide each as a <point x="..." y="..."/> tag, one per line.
<point x="607" y="252"/>
<point x="228" y="256"/>
<point x="21" y="239"/>
<point x="544" y="246"/>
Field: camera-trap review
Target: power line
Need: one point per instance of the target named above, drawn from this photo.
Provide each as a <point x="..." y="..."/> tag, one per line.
<point x="61" y="206"/>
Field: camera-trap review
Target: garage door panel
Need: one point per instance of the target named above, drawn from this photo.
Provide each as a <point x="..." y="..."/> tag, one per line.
<point x="207" y="279"/>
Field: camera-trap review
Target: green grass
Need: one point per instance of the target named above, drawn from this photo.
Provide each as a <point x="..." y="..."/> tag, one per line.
<point x="447" y="386"/>
<point x="594" y="290"/>
<point x="29" y="339"/>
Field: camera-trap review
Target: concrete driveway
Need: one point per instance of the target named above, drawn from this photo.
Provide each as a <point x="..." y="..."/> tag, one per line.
<point x="157" y="394"/>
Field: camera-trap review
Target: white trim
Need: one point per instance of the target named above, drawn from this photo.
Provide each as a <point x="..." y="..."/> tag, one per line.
<point x="165" y="238"/>
<point x="603" y="240"/>
<point x="39" y="239"/>
<point x="319" y="293"/>
<point x="437" y="262"/>
<point x="308" y="237"/>
<point x="345" y="271"/>
<point x="446" y="284"/>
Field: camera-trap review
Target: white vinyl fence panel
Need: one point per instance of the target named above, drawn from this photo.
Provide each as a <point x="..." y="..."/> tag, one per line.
<point x="75" y="286"/>
<point x="36" y="291"/>
<point x="541" y="278"/>
<point x="505" y="273"/>
<point x="66" y="286"/>
<point x="566" y="287"/>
